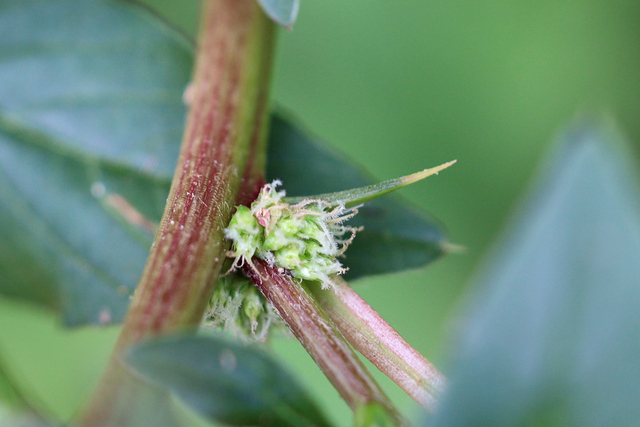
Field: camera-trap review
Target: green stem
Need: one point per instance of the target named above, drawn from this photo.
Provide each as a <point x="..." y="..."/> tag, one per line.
<point x="324" y="343"/>
<point x="221" y="163"/>
<point x="376" y="340"/>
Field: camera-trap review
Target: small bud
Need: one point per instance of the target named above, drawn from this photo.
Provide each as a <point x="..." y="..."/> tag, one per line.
<point x="263" y="216"/>
<point x="240" y="309"/>
<point x="243" y="222"/>
<point x="276" y="239"/>
<point x="253" y="307"/>
<point x="288" y="257"/>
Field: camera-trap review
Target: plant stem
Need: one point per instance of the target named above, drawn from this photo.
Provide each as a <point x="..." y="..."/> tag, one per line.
<point x="221" y="162"/>
<point x="375" y="339"/>
<point x="324" y="343"/>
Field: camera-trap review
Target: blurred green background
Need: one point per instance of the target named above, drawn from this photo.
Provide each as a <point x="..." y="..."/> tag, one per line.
<point x="401" y="86"/>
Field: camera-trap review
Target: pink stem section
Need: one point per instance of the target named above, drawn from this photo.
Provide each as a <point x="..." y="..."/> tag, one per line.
<point x="188" y="252"/>
<point x="324" y="343"/>
<point x="375" y="339"/>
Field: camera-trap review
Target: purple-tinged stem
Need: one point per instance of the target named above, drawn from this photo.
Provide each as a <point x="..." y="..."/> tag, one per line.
<point x="221" y="163"/>
<point x="376" y="340"/>
<point x="324" y="343"/>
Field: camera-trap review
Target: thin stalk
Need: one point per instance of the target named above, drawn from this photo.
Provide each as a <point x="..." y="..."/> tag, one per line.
<point x="222" y="148"/>
<point x="376" y="340"/>
<point x="324" y="343"/>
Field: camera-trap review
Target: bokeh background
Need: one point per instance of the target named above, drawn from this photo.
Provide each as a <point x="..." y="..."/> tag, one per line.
<point x="404" y="85"/>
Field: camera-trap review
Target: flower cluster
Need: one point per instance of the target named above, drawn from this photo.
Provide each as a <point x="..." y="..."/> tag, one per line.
<point x="305" y="238"/>
<point x="240" y="309"/>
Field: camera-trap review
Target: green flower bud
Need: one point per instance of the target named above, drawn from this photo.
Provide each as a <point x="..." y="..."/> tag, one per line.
<point x="277" y="239"/>
<point x="288" y="257"/>
<point x="243" y="222"/>
<point x="253" y="306"/>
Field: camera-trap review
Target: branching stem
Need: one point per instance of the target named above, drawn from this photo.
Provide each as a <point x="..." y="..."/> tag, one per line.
<point x="375" y="339"/>
<point x="324" y="343"/>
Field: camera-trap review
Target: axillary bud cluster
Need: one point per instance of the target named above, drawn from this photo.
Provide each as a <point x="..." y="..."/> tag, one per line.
<point x="305" y="238"/>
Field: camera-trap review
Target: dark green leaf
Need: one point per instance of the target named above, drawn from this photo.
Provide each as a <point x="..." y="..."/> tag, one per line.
<point x="226" y="381"/>
<point x="554" y="335"/>
<point x="396" y="236"/>
<point x="90" y="124"/>
<point x="283" y="12"/>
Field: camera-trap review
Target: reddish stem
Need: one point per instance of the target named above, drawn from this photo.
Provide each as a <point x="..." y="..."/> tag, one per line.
<point x="376" y="340"/>
<point x="221" y="159"/>
<point x="324" y="343"/>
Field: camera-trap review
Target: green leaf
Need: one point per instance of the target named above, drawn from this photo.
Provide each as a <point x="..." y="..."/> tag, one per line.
<point x="358" y="196"/>
<point x="372" y="414"/>
<point x="90" y="124"/>
<point x="553" y="337"/>
<point x="15" y="408"/>
<point x="10" y="396"/>
<point x="226" y="381"/>
<point x="282" y="12"/>
<point x="396" y="235"/>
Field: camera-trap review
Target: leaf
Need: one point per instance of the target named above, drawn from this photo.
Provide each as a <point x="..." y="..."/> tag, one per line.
<point x="10" y="396"/>
<point x="282" y="12"/>
<point x="226" y="381"/>
<point x="396" y="235"/>
<point x="15" y="409"/>
<point x="90" y="123"/>
<point x="358" y="196"/>
<point x="553" y="337"/>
